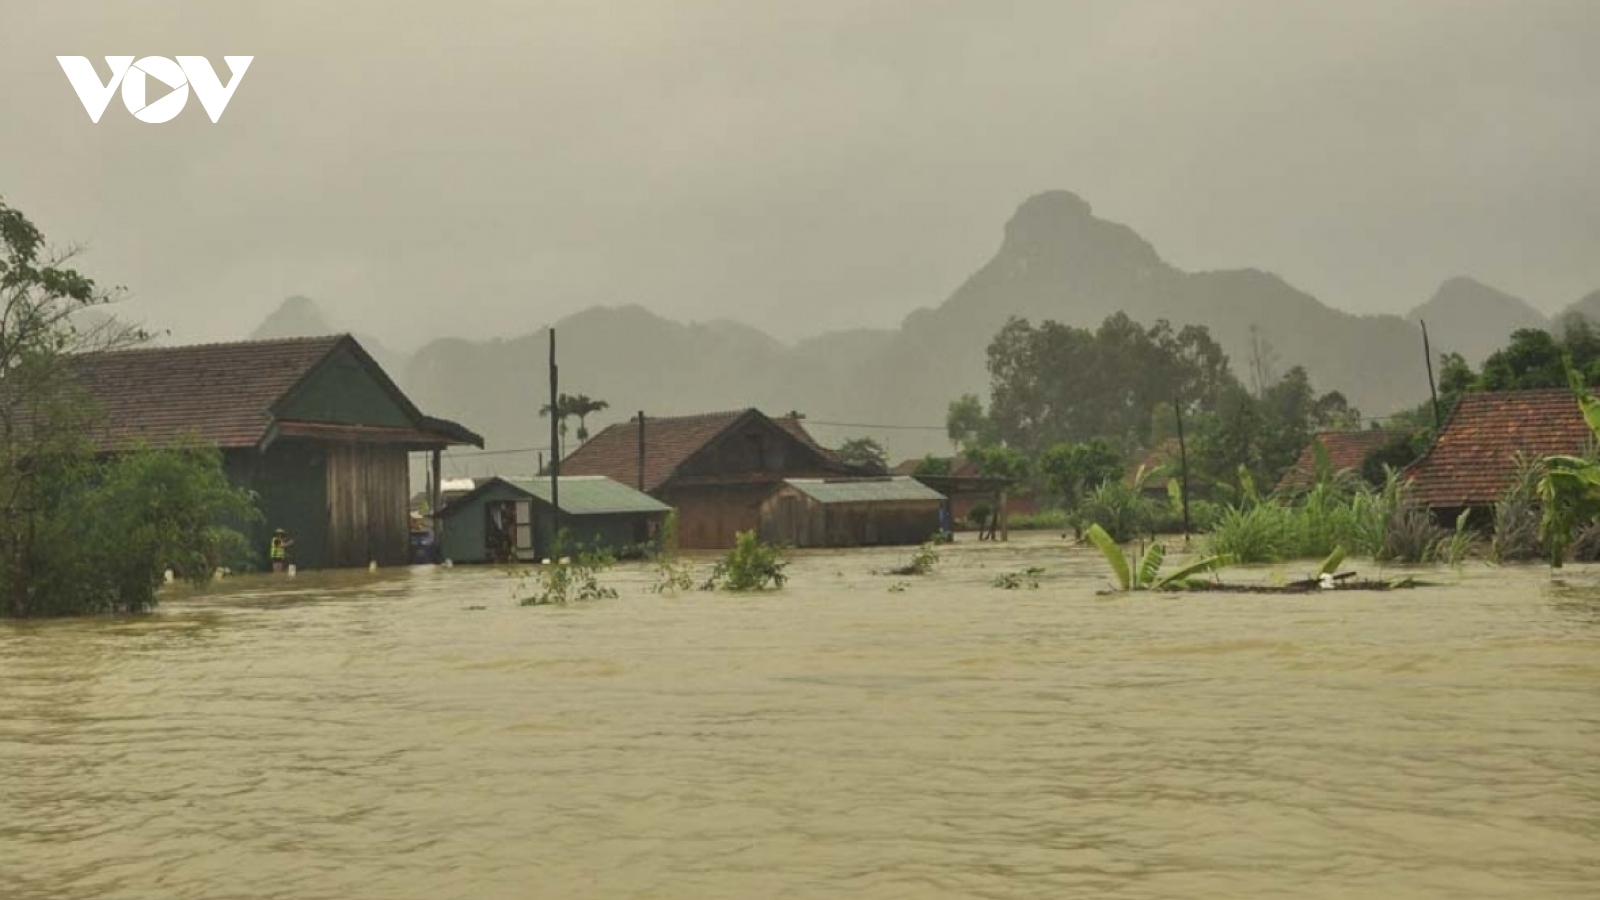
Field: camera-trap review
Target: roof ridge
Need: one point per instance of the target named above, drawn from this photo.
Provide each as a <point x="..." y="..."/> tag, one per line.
<point x="262" y="342"/>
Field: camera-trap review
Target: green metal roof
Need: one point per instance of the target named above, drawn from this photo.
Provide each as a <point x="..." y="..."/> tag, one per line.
<point x="591" y="495"/>
<point x="896" y="489"/>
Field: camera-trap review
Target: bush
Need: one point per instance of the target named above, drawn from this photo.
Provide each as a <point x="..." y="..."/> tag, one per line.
<point x="569" y="580"/>
<point x="922" y="562"/>
<point x="1255" y="534"/>
<point x="1120" y="510"/>
<point x="672" y="573"/>
<point x="1517" y="517"/>
<point x="751" y="565"/>
<point x="112" y="529"/>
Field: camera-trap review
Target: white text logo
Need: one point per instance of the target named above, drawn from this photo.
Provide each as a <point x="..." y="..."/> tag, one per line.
<point x="134" y="77"/>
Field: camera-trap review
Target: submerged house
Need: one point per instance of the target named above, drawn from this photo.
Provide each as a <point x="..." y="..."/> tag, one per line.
<point x="971" y="495"/>
<point x="851" y="512"/>
<point x="507" y="519"/>
<point x="715" y="469"/>
<point x="1476" y="456"/>
<point x="312" y="425"/>
<point x="1347" y="451"/>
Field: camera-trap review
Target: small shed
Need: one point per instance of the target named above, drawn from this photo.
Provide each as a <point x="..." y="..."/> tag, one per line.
<point x="851" y="512"/>
<point x="506" y="518"/>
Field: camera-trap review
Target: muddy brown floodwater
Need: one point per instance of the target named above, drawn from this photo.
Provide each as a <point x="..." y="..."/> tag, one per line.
<point x="375" y="736"/>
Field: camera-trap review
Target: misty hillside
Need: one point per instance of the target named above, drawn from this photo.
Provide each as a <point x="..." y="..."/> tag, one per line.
<point x="1588" y="307"/>
<point x="300" y="316"/>
<point x="1471" y="318"/>
<point x="1056" y="260"/>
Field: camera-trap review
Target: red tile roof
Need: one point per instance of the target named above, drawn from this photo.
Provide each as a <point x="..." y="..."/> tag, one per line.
<point x="669" y="442"/>
<point x="217" y="394"/>
<point x="1473" y="460"/>
<point x="1347" y="450"/>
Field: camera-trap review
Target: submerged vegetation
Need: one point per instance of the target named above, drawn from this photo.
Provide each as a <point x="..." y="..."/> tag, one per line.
<point x="673" y="575"/>
<point x="1143" y="573"/>
<point x="568" y="579"/>
<point x="752" y="565"/>
<point x="79" y="533"/>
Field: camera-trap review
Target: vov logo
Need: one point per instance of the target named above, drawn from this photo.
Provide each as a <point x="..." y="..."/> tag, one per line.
<point x="134" y="78"/>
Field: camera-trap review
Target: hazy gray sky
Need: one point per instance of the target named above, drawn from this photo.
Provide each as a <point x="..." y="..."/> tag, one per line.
<point x="481" y="168"/>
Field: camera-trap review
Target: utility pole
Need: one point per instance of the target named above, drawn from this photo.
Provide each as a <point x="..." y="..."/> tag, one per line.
<point x="1183" y="467"/>
<point x="555" y="453"/>
<point x="1427" y="357"/>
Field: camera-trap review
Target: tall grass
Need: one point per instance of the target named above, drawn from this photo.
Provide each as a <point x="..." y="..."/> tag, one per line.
<point x="1338" y="512"/>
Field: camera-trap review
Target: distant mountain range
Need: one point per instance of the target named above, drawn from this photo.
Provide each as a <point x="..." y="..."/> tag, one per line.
<point x="1057" y="260"/>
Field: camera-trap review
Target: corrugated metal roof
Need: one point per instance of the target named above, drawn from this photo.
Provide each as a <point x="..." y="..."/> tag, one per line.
<point x="897" y="489"/>
<point x="591" y="495"/>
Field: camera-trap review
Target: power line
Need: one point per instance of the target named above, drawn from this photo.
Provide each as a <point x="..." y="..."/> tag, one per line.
<point x="810" y="422"/>
<point x="453" y="454"/>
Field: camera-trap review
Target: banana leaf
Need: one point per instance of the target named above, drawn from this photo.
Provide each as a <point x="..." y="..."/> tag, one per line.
<point x="1113" y="554"/>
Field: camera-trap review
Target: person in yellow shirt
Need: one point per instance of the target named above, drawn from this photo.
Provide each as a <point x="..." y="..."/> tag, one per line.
<point x="279" y="552"/>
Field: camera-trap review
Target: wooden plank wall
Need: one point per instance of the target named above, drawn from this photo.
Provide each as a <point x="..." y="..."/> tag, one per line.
<point x="367" y="505"/>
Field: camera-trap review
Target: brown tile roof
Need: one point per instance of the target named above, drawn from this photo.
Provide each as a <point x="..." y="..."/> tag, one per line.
<point x="1473" y="460"/>
<point x="1347" y="450"/>
<point x="669" y="442"/>
<point x="219" y="394"/>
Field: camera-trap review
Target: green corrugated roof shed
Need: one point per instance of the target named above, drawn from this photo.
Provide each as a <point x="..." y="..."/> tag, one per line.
<point x="592" y="495"/>
<point x="899" y="489"/>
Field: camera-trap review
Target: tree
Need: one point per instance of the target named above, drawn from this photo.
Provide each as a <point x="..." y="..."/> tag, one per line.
<point x="1070" y="471"/>
<point x="562" y="410"/>
<point x="863" y="453"/>
<point x="583" y="406"/>
<point x="967" y="425"/>
<point x="79" y="534"/>
<point x="1057" y="383"/>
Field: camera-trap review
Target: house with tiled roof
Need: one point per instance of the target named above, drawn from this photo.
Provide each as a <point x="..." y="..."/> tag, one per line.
<point x="1474" y="459"/>
<point x="313" y="426"/>
<point x="715" y="469"/>
<point x="1346" y="451"/>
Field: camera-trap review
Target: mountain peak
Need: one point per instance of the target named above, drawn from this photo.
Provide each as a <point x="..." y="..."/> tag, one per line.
<point x="296" y="316"/>
<point x="1061" y="226"/>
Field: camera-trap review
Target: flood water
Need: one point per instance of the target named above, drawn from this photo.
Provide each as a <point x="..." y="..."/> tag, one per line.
<point x="377" y="736"/>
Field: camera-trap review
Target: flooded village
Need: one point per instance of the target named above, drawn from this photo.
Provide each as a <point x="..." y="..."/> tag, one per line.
<point x="705" y="451"/>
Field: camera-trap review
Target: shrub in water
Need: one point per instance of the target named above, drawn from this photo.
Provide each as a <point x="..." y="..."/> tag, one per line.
<point x="751" y="565"/>
<point x="1117" y="508"/>
<point x="576" y="579"/>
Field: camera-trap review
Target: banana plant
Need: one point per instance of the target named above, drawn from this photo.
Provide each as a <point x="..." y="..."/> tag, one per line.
<point x="1569" y="487"/>
<point x="1145" y="574"/>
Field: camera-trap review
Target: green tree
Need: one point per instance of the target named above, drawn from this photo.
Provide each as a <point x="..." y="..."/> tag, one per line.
<point x="1060" y="384"/>
<point x="967" y="425"/>
<point x="79" y="534"/>
<point x="1070" y="471"/>
<point x="863" y="453"/>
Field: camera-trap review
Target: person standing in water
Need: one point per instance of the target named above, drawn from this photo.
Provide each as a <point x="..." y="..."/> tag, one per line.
<point x="281" y="542"/>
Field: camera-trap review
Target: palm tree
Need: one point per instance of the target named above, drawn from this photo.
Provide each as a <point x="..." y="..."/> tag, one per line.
<point x="583" y="406"/>
<point x="562" y="411"/>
